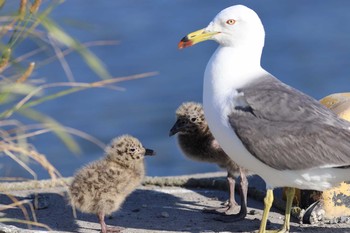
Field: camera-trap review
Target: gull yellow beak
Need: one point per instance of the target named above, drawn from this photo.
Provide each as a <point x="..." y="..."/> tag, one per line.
<point x="196" y="37"/>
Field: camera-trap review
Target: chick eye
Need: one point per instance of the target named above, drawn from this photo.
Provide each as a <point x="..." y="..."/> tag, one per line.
<point x="230" y="21"/>
<point x="132" y="149"/>
<point x="193" y="119"/>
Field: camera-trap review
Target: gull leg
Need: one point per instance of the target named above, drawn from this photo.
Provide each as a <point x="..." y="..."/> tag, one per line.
<point x="290" y="196"/>
<point x="267" y="206"/>
<point x="268" y="203"/>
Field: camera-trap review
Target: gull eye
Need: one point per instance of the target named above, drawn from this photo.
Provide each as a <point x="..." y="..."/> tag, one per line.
<point x="193" y="119"/>
<point x="230" y="21"/>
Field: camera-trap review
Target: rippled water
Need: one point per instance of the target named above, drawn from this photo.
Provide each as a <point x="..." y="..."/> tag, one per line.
<point x="307" y="46"/>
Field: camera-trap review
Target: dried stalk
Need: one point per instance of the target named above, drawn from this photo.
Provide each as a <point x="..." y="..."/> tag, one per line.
<point x="22" y="10"/>
<point x="5" y="60"/>
<point x="41" y="159"/>
<point x="21" y="163"/>
<point x="26" y="222"/>
<point x="44" y="130"/>
<point x="27" y="73"/>
<point x="23" y="209"/>
<point x="62" y="60"/>
<point x="35" y="7"/>
<point x="78" y="87"/>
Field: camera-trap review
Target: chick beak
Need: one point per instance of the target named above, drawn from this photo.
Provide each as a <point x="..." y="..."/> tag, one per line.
<point x="150" y="152"/>
<point x="175" y="129"/>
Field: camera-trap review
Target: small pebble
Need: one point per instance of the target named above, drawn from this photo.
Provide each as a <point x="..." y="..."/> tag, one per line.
<point x="252" y="212"/>
<point x="164" y="214"/>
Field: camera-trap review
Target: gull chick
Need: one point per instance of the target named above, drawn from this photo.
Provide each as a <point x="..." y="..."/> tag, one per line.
<point x="197" y="143"/>
<point x="101" y="187"/>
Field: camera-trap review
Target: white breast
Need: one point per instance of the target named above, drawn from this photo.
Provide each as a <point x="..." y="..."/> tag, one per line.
<point x="222" y="78"/>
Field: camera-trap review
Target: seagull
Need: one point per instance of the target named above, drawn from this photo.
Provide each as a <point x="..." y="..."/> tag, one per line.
<point x="283" y="135"/>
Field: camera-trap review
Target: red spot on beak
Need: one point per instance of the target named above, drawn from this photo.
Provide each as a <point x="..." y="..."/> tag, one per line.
<point x="184" y="43"/>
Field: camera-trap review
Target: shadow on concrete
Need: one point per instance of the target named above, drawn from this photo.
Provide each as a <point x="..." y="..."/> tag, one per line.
<point x="54" y="212"/>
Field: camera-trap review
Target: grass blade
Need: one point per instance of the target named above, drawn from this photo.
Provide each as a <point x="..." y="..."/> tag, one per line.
<point x="91" y="60"/>
<point x="53" y="125"/>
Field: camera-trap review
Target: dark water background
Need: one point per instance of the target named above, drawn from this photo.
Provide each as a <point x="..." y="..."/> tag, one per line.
<point x="307" y="46"/>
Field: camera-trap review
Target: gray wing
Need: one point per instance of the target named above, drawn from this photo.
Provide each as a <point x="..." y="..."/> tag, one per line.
<point x="288" y="130"/>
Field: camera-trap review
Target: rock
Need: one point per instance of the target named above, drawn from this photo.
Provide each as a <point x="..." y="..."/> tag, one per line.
<point x="164" y="214"/>
<point x="252" y="212"/>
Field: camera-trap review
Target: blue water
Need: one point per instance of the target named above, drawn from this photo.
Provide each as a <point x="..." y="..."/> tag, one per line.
<point x="307" y="46"/>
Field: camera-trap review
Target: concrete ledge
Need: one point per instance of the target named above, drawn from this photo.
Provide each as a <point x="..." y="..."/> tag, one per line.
<point x="161" y="204"/>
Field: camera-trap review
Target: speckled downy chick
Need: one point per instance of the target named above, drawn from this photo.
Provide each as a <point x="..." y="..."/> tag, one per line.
<point x="197" y="143"/>
<point x="101" y="187"/>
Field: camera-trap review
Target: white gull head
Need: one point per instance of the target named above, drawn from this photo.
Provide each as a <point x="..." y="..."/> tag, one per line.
<point x="237" y="26"/>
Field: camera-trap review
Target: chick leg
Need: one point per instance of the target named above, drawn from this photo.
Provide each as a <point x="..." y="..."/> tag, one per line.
<point x="243" y="211"/>
<point x="244" y="195"/>
<point x="101" y="219"/>
<point x="104" y="228"/>
<point x="230" y="204"/>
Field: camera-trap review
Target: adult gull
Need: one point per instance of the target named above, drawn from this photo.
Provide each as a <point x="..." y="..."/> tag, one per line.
<point x="266" y="126"/>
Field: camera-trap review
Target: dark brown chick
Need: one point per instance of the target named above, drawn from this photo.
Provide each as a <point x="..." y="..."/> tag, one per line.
<point x="197" y="143"/>
<point x="101" y="187"/>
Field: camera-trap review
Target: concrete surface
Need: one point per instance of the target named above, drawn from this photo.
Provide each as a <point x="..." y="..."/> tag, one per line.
<point x="162" y="204"/>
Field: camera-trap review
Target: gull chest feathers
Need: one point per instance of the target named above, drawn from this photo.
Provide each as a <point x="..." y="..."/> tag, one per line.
<point x="225" y="75"/>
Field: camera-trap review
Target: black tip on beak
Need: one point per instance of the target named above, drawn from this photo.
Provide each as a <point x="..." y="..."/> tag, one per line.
<point x="184" y="43"/>
<point x="185" y="39"/>
<point x="171" y="133"/>
<point x="175" y="129"/>
<point x="150" y="152"/>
